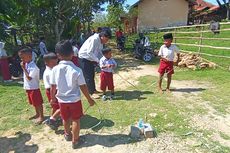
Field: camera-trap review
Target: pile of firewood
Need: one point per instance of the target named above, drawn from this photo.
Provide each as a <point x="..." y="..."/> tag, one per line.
<point x="194" y="61"/>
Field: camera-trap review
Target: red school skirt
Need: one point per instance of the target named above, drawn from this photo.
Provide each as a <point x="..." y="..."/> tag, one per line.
<point x="4" y="66"/>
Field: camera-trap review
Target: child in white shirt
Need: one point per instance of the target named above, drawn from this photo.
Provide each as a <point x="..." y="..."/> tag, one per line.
<point x="166" y="54"/>
<point x="107" y="65"/>
<point x="67" y="80"/>
<point x="31" y="83"/>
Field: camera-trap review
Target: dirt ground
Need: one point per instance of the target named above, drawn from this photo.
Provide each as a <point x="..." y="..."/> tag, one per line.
<point x="119" y="141"/>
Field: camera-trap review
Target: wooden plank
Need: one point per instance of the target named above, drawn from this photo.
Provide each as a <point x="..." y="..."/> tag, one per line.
<point x="203" y="38"/>
<point x="193" y="26"/>
<point x="219" y="56"/>
<point x="206" y="46"/>
<point x="206" y="31"/>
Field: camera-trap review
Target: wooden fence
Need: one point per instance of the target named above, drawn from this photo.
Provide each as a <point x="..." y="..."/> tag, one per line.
<point x="200" y="29"/>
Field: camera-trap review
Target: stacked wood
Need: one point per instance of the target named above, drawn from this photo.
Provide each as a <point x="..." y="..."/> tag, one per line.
<point x="194" y="61"/>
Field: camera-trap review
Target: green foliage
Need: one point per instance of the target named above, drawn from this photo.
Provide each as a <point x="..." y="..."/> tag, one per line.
<point x="114" y="15"/>
<point x="100" y="20"/>
<point x="54" y="19"/>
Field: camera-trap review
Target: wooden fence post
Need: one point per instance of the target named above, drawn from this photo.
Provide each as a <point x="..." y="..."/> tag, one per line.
<point x="201" y="38"/>
<point x="175" y="35"/>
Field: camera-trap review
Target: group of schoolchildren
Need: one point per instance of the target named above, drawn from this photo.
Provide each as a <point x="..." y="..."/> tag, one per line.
<point x="64" y="81"/>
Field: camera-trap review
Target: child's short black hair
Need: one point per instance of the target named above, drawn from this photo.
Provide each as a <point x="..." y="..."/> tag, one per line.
<point x="106" y="50"/>
<point x="25" y="50"/>
<point x="49" y="56"/>
<point x="64" y="48"/>
<point x="168" y="36"/>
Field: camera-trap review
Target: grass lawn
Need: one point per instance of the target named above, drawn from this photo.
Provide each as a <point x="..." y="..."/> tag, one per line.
<point x="170" y="115"/>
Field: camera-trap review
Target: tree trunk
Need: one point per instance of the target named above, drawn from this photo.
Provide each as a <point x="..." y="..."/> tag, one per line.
<point x="59" y="28"/>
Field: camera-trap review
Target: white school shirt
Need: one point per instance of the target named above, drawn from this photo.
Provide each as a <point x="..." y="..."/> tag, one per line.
<point x="91" y="48"/>
<point x="75" y="50"/>
<point x="168" y="52"/>
<point x="104" y="61"/>
<point x="34" y="72"/>
<point x="34" y="56"/>
<point x="42" y="47"/>
<point x="46" y="77"/>
<point x="68" y="78"/>
<point x="2" y="50"/>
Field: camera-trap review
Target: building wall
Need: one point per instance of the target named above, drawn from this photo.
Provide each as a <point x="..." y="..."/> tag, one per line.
<point x="162" y="13"/>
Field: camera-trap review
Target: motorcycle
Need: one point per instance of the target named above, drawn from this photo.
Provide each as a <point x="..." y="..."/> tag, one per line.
<point x="143" y="50"/>
<point x="14" y="66"/>
<point x="121" y="43"/>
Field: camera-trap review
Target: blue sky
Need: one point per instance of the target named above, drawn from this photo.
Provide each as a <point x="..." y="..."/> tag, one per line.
<point x="131" y="2"/>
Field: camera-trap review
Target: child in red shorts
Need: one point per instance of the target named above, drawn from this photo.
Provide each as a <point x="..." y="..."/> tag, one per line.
<point x="166" y="54"/>
<point x="51" y="61"/>
<point x="107" y="65"/>
<point x="67" y="80"/>
<point x="31" y="83"/>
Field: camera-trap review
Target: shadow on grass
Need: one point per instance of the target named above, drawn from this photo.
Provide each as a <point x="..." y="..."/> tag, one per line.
<point x="87" y="122"/>
<point x="17" y="144"/>
<point x="11" y="84"/>
<point x="107" y="140"/>
<point x="188" y="90"/>
<point x="131" y="95"/>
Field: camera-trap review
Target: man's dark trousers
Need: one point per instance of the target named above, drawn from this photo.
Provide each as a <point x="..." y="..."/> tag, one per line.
<point x="88" y="68"/>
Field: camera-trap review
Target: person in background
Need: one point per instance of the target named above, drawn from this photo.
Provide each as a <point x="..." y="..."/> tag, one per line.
<point x="4" y="64"/>
<point x="75" y="51"/>
<point x="119" y="33"/>
<point x="42" y="46"/>
<point x="88" y="55"/>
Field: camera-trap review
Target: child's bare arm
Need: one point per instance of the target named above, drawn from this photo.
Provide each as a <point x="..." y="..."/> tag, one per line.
<point x="178" y="57"/>
<point x="25" y="71"/>
<point x="85" y="91"/>
<point x="53" y="91"/>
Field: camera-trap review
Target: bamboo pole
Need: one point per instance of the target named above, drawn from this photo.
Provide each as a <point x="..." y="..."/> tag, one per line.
<point x="187" y="51"/>
<point x="224" y="39"/>
<point x="200" y="42"/>
<point x="205" y="46"/>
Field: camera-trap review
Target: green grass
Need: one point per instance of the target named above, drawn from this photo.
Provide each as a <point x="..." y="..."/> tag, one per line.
<point x="218" y="94"/>
<point x="172" y="115"/>
<point x="14" y="108"/>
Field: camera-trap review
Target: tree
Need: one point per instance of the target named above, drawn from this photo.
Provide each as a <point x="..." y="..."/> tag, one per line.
<point x="227" y="6"/>
<point x="50" y="17"/>
<point x="114" y="14"/>
<point x="100" y="20"/>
